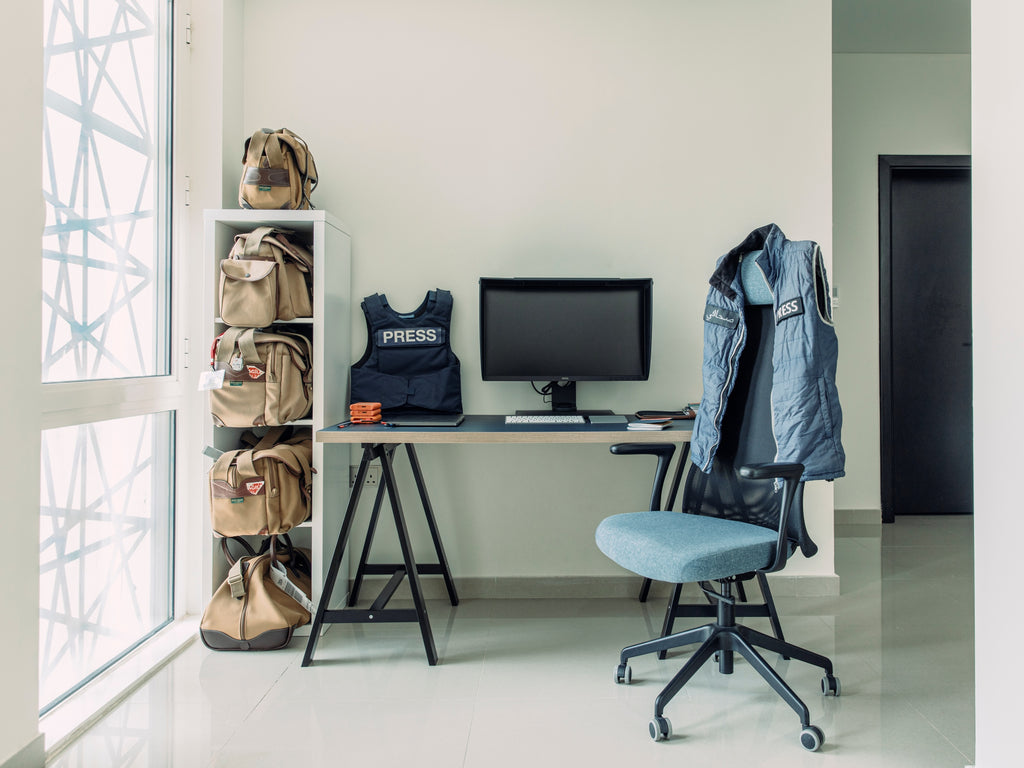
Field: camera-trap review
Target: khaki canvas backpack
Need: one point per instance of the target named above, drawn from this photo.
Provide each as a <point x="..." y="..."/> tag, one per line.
<point x="268" y="378"/>
<point x="278" y="171"/>
<point x="264" y="490"/>
<point x="265" y="278"/>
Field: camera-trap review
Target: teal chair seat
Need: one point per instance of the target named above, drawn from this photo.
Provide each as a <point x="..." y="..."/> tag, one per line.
<point x="677" y="547"/>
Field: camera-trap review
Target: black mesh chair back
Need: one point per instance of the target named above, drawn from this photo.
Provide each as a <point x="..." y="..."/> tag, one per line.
<point x="747" y="438"/>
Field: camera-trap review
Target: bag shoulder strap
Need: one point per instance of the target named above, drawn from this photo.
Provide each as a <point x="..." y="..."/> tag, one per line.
<point x="297" y="254"/>
<point x="223" y="465"/>
<point x="254" y="148"/>
<point x="225" y="345"/>
<point x="238" y="540"/>
<point x="270" y="439"/>
<point x="253" y="240"/>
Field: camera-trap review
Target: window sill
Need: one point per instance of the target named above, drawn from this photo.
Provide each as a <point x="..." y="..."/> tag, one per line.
<point x="68" y="720"/>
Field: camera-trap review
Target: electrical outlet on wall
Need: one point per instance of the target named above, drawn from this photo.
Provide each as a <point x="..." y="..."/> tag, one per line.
<point x="372" y="475"/>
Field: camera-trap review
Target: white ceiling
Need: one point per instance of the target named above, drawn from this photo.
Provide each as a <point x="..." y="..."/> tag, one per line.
<point x="901" y="26"/>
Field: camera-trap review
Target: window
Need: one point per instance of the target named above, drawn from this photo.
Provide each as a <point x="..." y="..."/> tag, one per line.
<point x="105" y="307"/>
<point x="105" y="544"/>
<point x="107" y="495"/>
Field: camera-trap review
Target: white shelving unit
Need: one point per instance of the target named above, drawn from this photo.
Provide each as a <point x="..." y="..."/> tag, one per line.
<point x="326" y="238"/>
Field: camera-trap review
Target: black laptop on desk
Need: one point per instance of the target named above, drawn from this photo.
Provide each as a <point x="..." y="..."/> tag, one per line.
<point x="422" y="419"/>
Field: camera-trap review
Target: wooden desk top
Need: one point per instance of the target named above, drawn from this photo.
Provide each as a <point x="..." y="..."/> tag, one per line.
<point x="493" y="429"/>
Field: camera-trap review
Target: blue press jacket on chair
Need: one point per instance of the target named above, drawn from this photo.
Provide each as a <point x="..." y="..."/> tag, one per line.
<point x="806" y="415"/>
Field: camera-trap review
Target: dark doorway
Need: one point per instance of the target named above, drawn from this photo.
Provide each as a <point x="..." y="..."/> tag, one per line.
<point x="925" y="335"/>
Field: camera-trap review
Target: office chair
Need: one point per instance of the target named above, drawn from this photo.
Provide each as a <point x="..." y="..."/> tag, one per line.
<point x="675" y="608"/>
<point x="744" y="517"/>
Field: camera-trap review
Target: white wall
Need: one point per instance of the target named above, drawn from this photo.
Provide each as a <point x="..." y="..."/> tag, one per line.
<point x="22" y="202"/>
<point x="998" y="164"/>
<point x="883" y="104"/>
<point x="461" y="138"/>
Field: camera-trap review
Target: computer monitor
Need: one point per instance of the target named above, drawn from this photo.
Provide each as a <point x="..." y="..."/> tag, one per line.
<point x="564" y="330"/>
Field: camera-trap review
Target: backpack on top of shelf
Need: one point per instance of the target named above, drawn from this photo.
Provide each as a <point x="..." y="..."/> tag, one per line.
<point x="278" y="171"/>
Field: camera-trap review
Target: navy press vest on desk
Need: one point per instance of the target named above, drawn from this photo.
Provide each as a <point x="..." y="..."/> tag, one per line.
<point x="409" y="364"/>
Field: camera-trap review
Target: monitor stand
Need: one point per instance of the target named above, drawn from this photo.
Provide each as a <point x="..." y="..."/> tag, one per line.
<point x="563" y="401"/>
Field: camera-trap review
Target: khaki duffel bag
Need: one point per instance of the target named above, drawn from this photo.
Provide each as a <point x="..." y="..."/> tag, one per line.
<point x="268" y="378"/>
<point x="261" y="602"/>
<point x="278" y="171"/>
<point x="264" y="490"/>
<point x="265" y="278"/>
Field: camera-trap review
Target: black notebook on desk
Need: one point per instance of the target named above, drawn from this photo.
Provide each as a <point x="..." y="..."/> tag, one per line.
<point x="425" y="419"/>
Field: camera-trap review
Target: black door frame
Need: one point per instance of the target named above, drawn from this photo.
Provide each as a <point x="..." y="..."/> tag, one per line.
<point x="887" y="164"/>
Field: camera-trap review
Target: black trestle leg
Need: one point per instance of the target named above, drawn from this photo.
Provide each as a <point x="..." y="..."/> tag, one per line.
<point x="357" y="580"/>
<point x="412" y="572"/>
<point x="339" y="552"/>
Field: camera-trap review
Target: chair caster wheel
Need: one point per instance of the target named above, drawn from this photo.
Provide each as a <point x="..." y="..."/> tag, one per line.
<point x="623" y="674"/>
<point x="830" y="685"/>
<point x="811" y="738"/>
<point x="660" y="728"/>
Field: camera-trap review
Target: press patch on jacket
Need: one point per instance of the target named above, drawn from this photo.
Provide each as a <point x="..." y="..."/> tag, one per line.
<point x="727" y="318"/>
<point x="410" y="337"/>
<point x="788" y="309"/>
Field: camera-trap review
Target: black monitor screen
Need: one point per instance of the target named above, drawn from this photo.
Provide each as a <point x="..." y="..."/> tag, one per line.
<point x="561" y="329"/>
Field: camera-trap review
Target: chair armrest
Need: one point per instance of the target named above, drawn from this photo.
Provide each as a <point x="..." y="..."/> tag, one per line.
<point x="643" y="449"/>
<point x="789" y="474"/>
<point x="784" y="471"/>
<point x="664" y="453"/>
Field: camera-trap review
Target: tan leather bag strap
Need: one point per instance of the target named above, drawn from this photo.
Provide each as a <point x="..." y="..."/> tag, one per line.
<point x="226" y="344"/>
<point x="273" y="151"/>
<point x="223" y="465"/>
<point x="245" y="466"/>
<point x="256" y="146"/>
<point x="298" y="346"/>
<point x="307" y="476"/>
<point x="254" y="239"/>
<point x="232" y="465"/>
<point x="307" y="164"/>
<point x="283" y="454"/>
<point x="304" y="262"/>
<point x="247" y="345"/>
<point x="270" y="439"/>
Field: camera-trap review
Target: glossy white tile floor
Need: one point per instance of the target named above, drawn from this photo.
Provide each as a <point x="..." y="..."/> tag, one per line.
<point x="529" y="683"/>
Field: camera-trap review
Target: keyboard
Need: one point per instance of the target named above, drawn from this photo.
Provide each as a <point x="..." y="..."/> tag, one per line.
<point x="547" y="418"/>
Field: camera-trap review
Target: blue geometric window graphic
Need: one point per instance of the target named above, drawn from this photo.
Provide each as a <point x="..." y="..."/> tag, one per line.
<point x="105" y="545"/>
<point x="105" y="182"/>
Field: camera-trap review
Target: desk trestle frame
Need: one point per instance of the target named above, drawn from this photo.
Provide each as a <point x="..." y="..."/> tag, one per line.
<point x="408" y="569"/>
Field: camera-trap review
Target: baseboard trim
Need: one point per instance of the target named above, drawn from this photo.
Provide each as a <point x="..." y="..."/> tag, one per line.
<point x="858" y="516"/>
<point x="577" y="587"/>
<point x="32" y="755"/>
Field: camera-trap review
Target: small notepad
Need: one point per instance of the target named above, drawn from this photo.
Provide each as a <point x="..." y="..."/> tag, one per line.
<point x="644" y="425"/>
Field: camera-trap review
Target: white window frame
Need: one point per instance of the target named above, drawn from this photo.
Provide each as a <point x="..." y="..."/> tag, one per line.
<point x="64" y="404"/>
